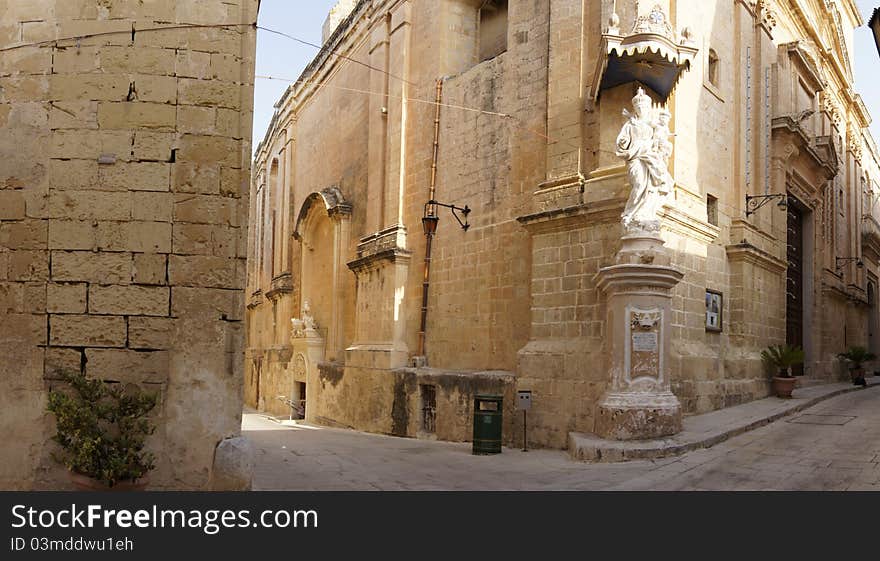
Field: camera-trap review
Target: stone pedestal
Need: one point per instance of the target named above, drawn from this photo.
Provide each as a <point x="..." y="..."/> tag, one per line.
<point x="639" y="403"/>
<point x="308" y="352"/>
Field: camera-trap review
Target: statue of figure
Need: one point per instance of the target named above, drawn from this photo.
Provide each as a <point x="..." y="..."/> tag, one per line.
<point x="662" y="135"/>
<point x="307" y="318"/>
<point x="644" y="144"/>
<point x="304" y="326"/>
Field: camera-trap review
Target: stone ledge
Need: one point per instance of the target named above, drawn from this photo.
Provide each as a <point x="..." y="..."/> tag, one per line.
<point x="704" y="431"/>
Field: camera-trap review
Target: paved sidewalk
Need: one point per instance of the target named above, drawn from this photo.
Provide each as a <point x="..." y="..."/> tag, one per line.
<point x="834" y="445"/>
<point x="703" y="431"/>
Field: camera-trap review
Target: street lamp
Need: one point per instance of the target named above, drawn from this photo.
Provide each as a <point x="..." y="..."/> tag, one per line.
<point x="430" y="218"/>
<point x="838" y="260"/>
<point x="754" y="202"/>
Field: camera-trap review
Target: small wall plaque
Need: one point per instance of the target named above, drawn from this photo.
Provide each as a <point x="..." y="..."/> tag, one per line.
<point x="714" y="311"/>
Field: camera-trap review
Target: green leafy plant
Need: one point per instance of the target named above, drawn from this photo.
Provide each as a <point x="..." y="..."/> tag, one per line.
<point x="783" y="357"/>
<point x="857" y="356"/>
<point x="101" y="429"/>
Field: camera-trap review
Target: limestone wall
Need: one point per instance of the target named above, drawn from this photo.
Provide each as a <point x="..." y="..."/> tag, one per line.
<point x="123" y="180"/>
<point x="529" y="147"/>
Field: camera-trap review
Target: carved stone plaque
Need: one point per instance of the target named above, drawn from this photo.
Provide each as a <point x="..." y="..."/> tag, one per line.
<point x="644" y="343"/>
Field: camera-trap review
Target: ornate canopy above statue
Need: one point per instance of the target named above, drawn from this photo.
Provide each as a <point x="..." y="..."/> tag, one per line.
<point x="651" y="54"/>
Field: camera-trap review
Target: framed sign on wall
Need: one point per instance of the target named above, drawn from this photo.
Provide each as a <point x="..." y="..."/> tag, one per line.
<point x="714" y="311"/>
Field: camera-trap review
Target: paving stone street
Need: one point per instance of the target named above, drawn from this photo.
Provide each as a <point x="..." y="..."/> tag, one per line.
<point x="832" y="446"/>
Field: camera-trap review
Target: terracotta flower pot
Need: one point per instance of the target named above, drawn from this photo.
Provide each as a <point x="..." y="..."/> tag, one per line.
<point x="858" y="376"/>
<point x="86" y="483"/>
<point x="783" y="387"/>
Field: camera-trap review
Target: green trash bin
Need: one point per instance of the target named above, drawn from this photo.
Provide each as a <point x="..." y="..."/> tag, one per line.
<point x="487" y="424"/>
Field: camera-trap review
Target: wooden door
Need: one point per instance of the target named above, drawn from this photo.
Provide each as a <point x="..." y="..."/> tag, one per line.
<point x="794" y="308"/>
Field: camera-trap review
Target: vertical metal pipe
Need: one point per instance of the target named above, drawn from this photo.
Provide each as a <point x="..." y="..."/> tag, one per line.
<point x="430" y="210"/>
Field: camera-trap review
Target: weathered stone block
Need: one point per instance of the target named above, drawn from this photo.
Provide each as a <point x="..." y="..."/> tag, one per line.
<point x="61" y="360"/>
<point x="196" y="178"/>
<point x="210" y="150"/>
<point x="226" y="67"/>
<point x="76" y="61"/>
<point x="106" y="268"/>
<point x="89" y="145"/>
<point x="204" y="239"/>
<point x="150" y="268"/>
<point x="11" y="205"/>
<point x="129" y="300"/>
<point x="197" y="270"/>
<point x="88" y="87"/>
<point x="150" y="333"/>
<point x="231" y="182"/>
<point x="193" y="64"/>
<point x="24" y="234"/>
<point x="207" y="303"/>
<point x="196" y="120"/>
<point x="158" y="89"/>
<point x="151" y="206"/>
<point x="75" y="175"/>
<point x="205" y="209"/>
<point x="86" y="331"/>
<point x="141" y="60"/>
<point x="136" y="115"/>
<point x="72" y="234"/>
<point x="136" y="176"/>
<point x="229" y="122"/>
<point x="127" y="366"/>
<point x="155" y="146"/>
<point x="66" y="298"/>
<point x="89" y="205"/>
<point x="28" y="265"/>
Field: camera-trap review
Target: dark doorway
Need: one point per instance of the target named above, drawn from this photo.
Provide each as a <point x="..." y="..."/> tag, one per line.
<point x="872" y="316"/>
<point x="258" y="366"/>
<point x="299" y="399"/>
<point x="794" y="308"/>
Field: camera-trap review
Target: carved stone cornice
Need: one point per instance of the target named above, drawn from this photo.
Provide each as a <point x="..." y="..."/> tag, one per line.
<point x="376" y="260"/>
<point x="683" y="223"/>
<point x="576" y="216"/>
<point x="748" y="253"/>
<point x="282" y="284"/>
<point x="255" y="299"/>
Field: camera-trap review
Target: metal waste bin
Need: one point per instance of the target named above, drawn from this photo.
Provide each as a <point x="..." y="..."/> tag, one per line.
<point x="487" y="424"/>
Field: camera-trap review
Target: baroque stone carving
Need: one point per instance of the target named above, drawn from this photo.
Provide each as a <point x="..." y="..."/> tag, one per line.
<point x="305" y="325"/>
<point x="644" y="144"/>
<point x="654" y="22"/>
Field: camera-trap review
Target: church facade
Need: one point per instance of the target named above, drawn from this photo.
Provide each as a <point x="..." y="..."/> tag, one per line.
<point x="446" y="205"/>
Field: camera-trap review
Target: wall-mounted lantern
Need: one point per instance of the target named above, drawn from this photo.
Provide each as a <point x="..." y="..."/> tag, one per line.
<point x="754" y="202"/>
<point x="838" y="260"/>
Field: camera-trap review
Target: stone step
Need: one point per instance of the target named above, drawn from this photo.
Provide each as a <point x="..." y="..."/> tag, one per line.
<point x="703" y="431"/>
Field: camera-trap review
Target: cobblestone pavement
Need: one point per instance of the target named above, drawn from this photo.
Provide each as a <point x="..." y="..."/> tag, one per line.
<point x="834" y="445"/>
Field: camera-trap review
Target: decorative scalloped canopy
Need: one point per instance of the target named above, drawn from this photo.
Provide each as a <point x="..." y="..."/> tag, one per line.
<point x="649" y="55"/>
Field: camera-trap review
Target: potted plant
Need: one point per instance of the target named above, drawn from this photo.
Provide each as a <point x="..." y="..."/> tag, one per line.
<point x="782" y="358"/>
<point x="101" y="429"/>
<point x="856" y="356"/>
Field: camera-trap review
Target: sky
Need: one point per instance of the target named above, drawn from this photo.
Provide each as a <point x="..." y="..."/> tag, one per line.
<point x="281" y="57"/>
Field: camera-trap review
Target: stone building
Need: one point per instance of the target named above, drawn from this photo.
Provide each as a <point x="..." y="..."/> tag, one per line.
<point x="529" y="297"/>
<point x="125" y="138"/>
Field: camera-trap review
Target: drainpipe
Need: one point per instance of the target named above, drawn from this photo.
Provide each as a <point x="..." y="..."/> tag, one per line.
<point x="429" y="221"/>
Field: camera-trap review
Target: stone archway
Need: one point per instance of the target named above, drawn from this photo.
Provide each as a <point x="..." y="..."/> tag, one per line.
<point x="322" y="227"/>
